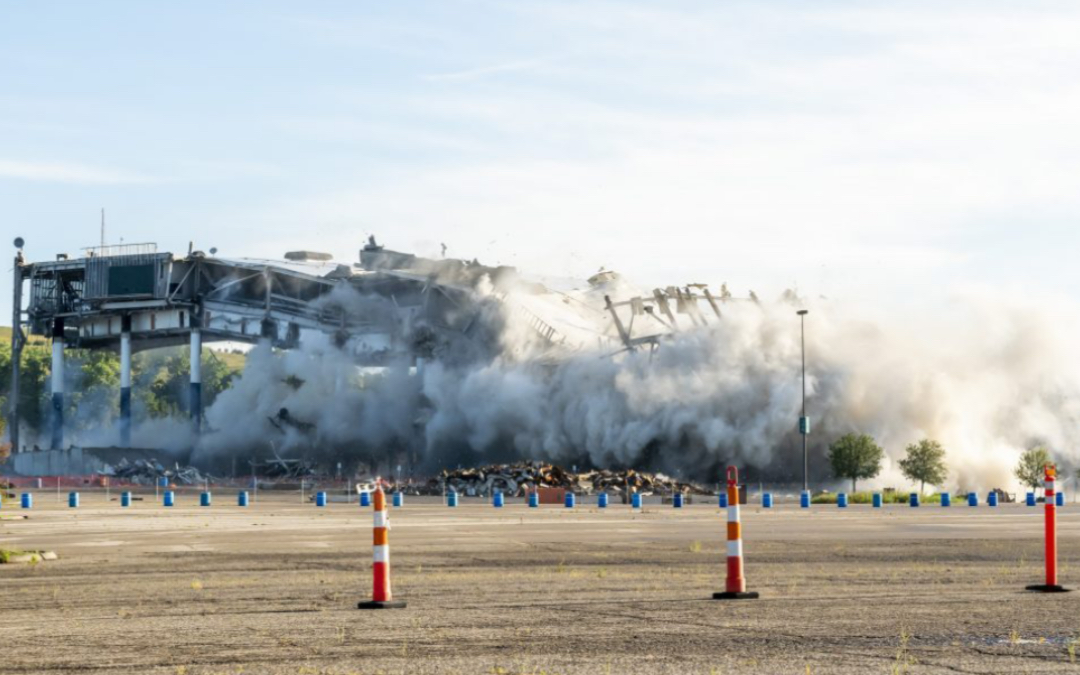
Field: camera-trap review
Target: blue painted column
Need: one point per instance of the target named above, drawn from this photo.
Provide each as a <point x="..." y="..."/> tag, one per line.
<point x="125" y="382"/>
<point x="195" y="401"/>
<point x="57" y="382"/>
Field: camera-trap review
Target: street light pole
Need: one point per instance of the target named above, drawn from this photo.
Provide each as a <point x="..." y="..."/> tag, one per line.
<point x="804" y="421"/>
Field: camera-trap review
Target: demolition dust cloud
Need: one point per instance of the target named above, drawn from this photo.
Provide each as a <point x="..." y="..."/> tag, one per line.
<point x="993" y="380"/>
<point x="997" y="377"/>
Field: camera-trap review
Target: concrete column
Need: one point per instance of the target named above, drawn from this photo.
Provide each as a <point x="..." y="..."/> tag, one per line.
<point x="196" y="379"/>
<point x="125" y="382"/>
<point x="58" y="384"/>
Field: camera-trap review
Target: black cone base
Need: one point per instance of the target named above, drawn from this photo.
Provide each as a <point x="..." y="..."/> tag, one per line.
<point x="1045" y="588"/>
<point x="727" y="595"/>
<point x="381" y="604"/>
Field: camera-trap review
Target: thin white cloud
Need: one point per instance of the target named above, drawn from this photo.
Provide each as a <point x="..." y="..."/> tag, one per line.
<point x="67" y="172"/>
<point x="485" y="71"/>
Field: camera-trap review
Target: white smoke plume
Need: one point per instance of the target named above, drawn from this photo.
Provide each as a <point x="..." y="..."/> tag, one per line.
<point x="996" y="378"/>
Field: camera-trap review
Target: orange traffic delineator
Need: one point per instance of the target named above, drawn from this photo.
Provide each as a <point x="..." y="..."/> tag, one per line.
<point x="1051" y="585"/>
<point x="380" y="595"/>
<point x="735" y="587"/>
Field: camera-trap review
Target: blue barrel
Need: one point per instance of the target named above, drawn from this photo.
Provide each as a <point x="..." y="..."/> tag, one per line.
<point x="242" y="498"/>
<point x="125" y="499"/>
<point x="27" y="500"/>
<point x="877" y="500"/>
<point x="913" y="499"/>
<point x="1030" y="499"/>
<point x="497" y="500"/>
<point x="170" y="498"/>
<point x="569" y="500"/>
<point x="162" y="481"/>
<point x="723" y="500"/>
<point x="973" y="499"/>
<point x="946" y="499"/>
<point x="320" y="499"/>
<point x="991" y="499"/>
<point x="766" y="500"/>
<point x="365" y="499"/>
<point x="1059" y="499"/>
<point x="204" y="499"/>
<point x="804" y="499"/>
<point x="399" y="500"/>
<point x="73" y="500"/>
<point x="841" y="500"/>
<point x="677" y="500"/>
<point x="534" y="500"/>
<point x="451" y="499"/>
<point x="635" y="501"/>
<point x="602" y="500"/>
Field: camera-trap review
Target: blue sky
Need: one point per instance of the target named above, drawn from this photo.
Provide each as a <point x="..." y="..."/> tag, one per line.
<point x="858" y="149"/>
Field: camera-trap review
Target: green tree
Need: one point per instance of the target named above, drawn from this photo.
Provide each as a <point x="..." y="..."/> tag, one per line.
<point x="35" y="366"/>
<point x="925" y="462"/>
<point x="1032" y="466"/>
<point x="855" y="456"/>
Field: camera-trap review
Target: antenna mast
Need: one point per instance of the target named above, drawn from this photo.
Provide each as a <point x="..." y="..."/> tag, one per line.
<point x="103" y="229"/>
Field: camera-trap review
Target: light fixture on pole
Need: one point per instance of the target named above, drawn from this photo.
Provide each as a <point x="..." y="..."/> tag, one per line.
<point x="804" y="421"/>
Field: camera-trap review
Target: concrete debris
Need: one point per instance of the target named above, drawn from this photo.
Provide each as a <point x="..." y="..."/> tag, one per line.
<point x="1004" y="497"/>
<point x="147" y="472"/>
<point x="519" y="479"/>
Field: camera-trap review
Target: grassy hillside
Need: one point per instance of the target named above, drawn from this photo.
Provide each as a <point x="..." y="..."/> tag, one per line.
<point x="5" y="337"/>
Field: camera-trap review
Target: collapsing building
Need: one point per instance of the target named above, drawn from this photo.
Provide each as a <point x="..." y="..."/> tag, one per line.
<point x="387" y="309"/>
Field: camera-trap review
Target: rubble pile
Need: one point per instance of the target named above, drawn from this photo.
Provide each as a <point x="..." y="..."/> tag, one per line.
<point x="147" y="472"/>
<point x="520" y="478"/>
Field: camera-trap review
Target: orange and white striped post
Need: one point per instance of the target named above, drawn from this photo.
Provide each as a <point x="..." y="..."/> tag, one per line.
<point x="380" y="595"/>
<point x="1051" y="585"/>
<point x="735" y="587"/>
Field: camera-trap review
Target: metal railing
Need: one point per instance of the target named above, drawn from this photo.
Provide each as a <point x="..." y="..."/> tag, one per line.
<point x="119" y="249"/>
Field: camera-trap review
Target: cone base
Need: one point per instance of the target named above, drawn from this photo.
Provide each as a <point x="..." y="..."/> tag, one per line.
<point x="381" y="604"/>
<point x="1047" y="588"/>
<point x="728" y="595"/>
